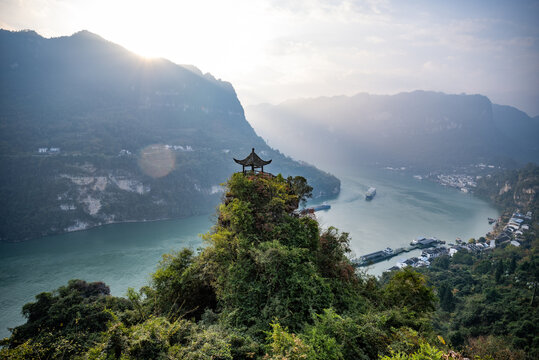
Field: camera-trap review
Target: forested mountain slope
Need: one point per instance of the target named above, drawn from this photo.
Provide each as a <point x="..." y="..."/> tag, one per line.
<point x="93" y="134"/>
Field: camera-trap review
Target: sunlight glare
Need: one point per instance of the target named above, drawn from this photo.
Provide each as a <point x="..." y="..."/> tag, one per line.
<point x="225" y="38"/>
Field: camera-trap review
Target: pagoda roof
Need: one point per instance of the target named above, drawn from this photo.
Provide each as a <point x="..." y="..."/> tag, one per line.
<point x="253" y="160"/>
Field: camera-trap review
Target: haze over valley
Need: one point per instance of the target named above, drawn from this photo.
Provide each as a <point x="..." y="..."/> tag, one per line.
<point x="426" y="130"/>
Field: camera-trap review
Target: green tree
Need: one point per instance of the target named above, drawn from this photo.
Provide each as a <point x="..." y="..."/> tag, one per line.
<point x="512" y="264"/>
<point x="445" y="294"/>
<point x="63" y="323"/>
<point x="286" y="346"/>
<point x="180" y="287"/>
<point x="499" y="271"/>
<point x="407" y="288"/>
<point x="300" y="187"/>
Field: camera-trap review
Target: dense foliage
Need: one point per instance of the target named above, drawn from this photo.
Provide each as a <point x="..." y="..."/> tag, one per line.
<point x="268" y="284"/>
<point x="488" y="301"/>
<point x="489" y="304"/>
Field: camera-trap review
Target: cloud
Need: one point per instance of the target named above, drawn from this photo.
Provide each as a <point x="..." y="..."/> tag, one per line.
<point x="274" y="50"/>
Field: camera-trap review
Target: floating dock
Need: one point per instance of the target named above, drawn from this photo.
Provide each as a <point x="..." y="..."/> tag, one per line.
<point x="388" y="253"/>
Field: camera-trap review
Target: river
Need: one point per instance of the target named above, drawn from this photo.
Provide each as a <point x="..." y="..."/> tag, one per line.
<point x="124" y="255"/>
<point x="403" y="209"/>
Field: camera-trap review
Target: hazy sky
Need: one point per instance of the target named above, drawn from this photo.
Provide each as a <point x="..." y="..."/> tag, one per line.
<point x="275" y="50"/>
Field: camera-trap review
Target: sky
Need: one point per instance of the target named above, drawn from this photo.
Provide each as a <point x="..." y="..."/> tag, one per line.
<point x="274" y="50"/>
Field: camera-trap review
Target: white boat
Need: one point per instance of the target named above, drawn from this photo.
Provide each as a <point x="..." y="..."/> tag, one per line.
<point x="370" y="193"/>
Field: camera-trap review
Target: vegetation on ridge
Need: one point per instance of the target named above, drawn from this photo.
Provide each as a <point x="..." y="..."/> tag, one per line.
<point x="269" y="284"/>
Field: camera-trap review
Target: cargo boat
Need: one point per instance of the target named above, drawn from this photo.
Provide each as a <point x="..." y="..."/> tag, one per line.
<point x="423" y="242"/>
<point x="377" y="256"/>
<point x="312" y="209"/>
<point x="374" y="257"/>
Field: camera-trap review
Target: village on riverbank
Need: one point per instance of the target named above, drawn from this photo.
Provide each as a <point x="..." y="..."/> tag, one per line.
<point x="511" y="234"/>
<point x="465" y="178"/>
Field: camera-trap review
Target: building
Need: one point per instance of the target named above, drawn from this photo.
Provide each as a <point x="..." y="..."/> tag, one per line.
<point x="254" y="161"/>
<point x="434" y="253"/>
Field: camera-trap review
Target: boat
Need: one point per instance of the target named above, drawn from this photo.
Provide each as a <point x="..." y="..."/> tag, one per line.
<point x="377" y="256"/>
<point x="374" y="257"/>
<point x="491" y="221"/>
<point x="370" y="193"/>
<point x="321" y="207"/>
<point x="423" y="242"/>
<point x="312" y="209"/>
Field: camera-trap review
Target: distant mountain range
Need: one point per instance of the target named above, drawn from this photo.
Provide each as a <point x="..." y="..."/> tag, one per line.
<point x="422" y="129"/>
<point x="91" y="134"/>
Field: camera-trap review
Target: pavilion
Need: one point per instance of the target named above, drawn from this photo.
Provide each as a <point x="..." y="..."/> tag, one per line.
<point x="254" y="161"/>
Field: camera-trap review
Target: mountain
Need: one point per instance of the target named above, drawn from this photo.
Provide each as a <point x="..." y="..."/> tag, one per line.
<point x="92" y="133"/>
<point x="422" y="129"/>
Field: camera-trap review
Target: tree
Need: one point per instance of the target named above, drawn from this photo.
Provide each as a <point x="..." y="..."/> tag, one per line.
<point x="512" y="264"/>
<point x="301" y="188"/>
<point x="447" y="300"/>
<point x="180" y="288"/>
<point x="499" y="271"/>
<point x="63" y="323"/>
<point x="408" y="288"/>
<point x="286" y="346"/>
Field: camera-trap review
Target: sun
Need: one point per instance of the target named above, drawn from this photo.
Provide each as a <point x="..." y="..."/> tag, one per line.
<point x="147" y="49"/>
<point x="228" y="41"/>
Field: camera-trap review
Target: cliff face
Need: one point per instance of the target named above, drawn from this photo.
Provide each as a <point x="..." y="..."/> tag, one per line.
<point x="93" y="134"/>
<point x="513" y="189"/>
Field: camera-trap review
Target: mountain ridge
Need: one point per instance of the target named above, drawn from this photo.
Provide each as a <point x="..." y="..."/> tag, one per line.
<point x="94" y="134"/>
<point x="419" y="128"/>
